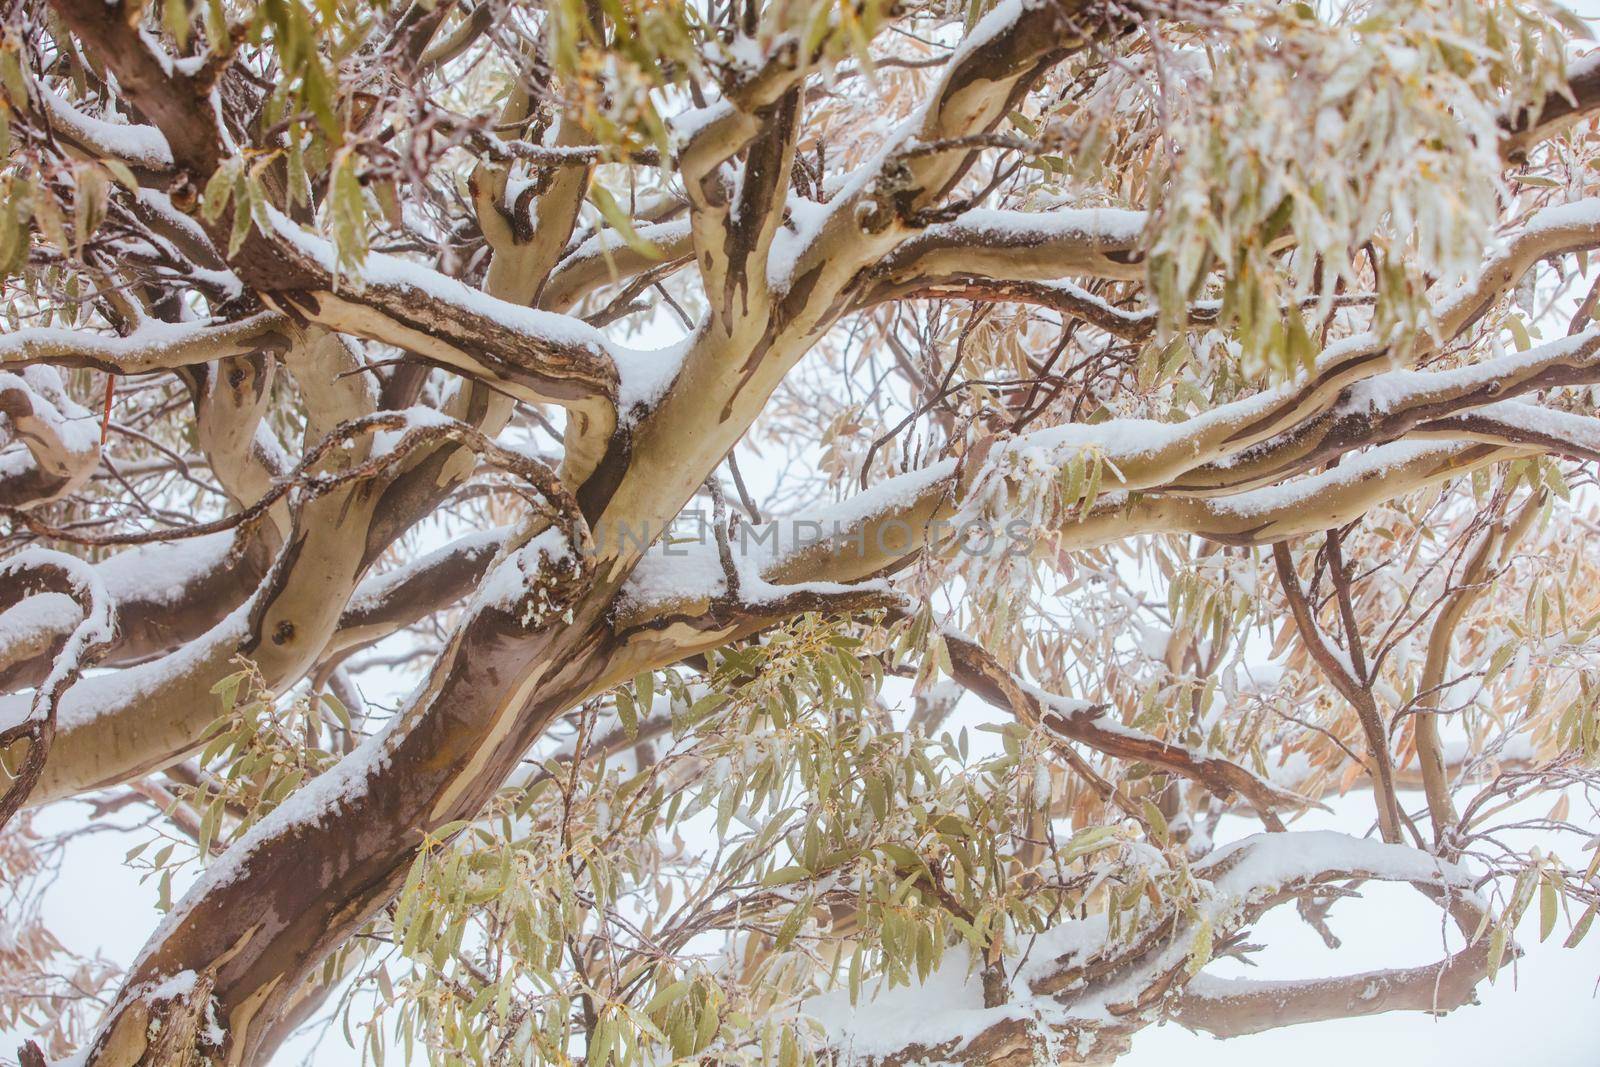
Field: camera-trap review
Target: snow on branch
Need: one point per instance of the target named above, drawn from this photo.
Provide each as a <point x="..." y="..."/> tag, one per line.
<point x="28" y="573"/>
<point x="1171" y="477"/>
<point x="142" y="147"/>
<point x="164" y="594"/>
<point x="1006" y="245"/>
<point x="1078" y="988"/>
<point x="154" y="346"/>
<point x="54" y="443"/>
<point x="539" y="355"/>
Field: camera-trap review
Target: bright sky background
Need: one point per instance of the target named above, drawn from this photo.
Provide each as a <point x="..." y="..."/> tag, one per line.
<point x="1542" y="1010"/>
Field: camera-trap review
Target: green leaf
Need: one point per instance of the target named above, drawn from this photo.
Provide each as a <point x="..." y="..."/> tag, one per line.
<point x="119" y="170"/>
<point x="791" y="926"/>
<point x="175" y="20"/>
<point x="347" y="210"/>
<point x="708" y="1024"/>
<point x="628" y="713"/>
<point x="1580" y="929"/>
<point x="1157" y="821"/>
<point x="1497" y="950"/>
<point x="340" y="712"/>
<point x="1519" y="333"/>
<point x="667" y="995"/>
<point x="219" y="189"/>
<point x="1089" y="840"/>
<point x="902" y="856"/>
<point x="621" y="221"/>
<point x="1200" y="949"/>
<point x="12" y="78"/>
<point x="786" y="876"/>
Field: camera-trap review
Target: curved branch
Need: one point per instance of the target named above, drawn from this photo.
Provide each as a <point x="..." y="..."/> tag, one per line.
<point x="607" y="259"/>
<point x="1000" y="246"/>
<point x="1400" y="403"/>
<point x="885" y="527"/>
<point x="391" y="601"/>
<point x="29" y="573"/>
<point x="975" y="669"/>
<point x="1080" y="987"/>
<point x="537" y="355"/>
<point x="1234" y="1007"/>
<point x="154" y="346"/>
<point x="54" y="446"/>
<point x="1558" y="111"/>
<point x="165" y="595"/>
<point x="142" y="148"/>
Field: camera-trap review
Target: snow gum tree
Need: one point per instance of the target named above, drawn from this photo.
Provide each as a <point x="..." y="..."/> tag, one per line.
<point x="788" y="531"/>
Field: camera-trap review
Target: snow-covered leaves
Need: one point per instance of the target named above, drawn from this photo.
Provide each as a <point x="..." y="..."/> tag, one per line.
<point x="1374" y="134"/>
<point x="728" y="848"/>
<point x="1053" y="314"/>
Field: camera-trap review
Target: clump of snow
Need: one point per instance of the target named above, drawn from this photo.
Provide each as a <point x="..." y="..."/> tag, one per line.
<point x="384" y="270"/>
<point x="160" y="573"/>
<point x="1095" y="227"/>
<point x="643" y="376"/>
<point x="106" y="694"/>
<point x="138" y="145"/>
<point x="1393" y="389"/>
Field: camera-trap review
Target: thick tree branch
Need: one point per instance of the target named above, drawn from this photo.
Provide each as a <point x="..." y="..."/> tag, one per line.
<point x="1559" y="110"/>
<point x="1088" y="992"/>
<point x="30" y="573"/>
<point x="53" y="446"/>
<point x="154" y="346"/>
<point x="1092" y="725"/>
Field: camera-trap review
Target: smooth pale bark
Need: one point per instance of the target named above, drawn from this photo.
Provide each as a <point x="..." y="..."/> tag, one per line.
<point x="309" y="876"/>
